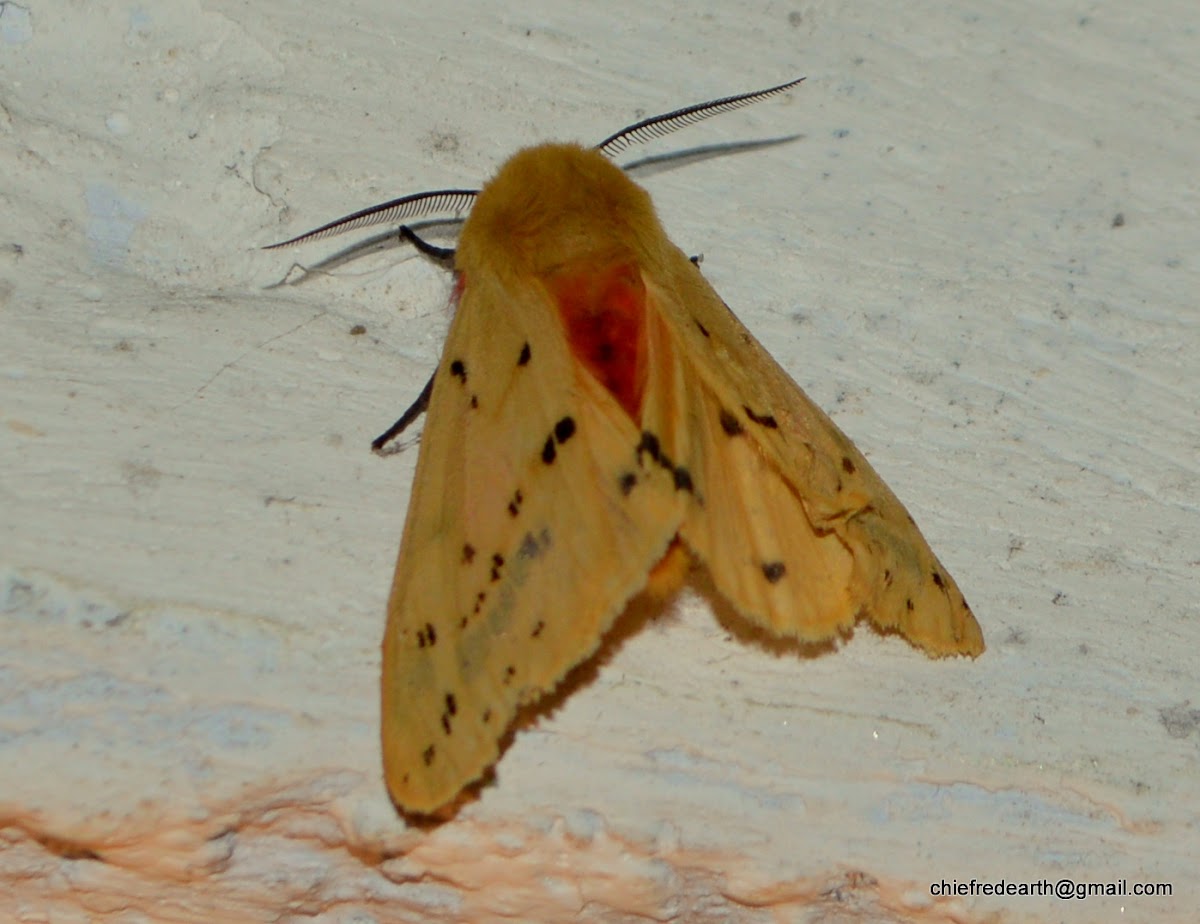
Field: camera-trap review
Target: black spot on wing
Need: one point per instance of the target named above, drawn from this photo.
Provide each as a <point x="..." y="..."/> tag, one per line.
<point x="937" y="579"/>
<point x="730" y="424"/>
<point x="468" y="553"/>
<point x="451" y="704"/>
<point x="526" y="355"/>
<point x="763" y="420"/>
<point x="514" y="505"/>
<point x="564" y="430"/>
<point x="774" y="571"/>
<point x="848" y="465"/>
<point x="509" y="673"/>
<point x="627" y="482"/>
<point x="458" y="369"/>
<point x="497" y="565"/>
<point x="427" y="637"/>
<point x="649" y="446"/>
<point x="427" y="755"/>
<point x="653" y="448"/>
<point x="537" y="630"/>
<point x="701" y="328"/>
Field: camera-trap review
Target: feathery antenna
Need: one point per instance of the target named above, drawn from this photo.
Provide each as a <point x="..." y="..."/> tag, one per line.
<point x="658" y="126"/>
<point x="455" y="201"/>
<point x="417" y="205"/>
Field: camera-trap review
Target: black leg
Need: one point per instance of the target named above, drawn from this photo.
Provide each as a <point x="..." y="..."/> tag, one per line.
<point x="443" y="255"/>
<point x="417" y="408"/>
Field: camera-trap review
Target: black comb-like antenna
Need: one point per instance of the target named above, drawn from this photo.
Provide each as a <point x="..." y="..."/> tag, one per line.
<point x="418" y="205"/>
<point x="658" y="126"/>
<point x="455" y="201"/>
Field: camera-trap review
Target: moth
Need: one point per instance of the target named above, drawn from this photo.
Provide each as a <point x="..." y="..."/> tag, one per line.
<point x="598" y="422"/>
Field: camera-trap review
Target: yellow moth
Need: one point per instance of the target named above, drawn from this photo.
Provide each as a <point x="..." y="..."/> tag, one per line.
<point x="598" y="416"/>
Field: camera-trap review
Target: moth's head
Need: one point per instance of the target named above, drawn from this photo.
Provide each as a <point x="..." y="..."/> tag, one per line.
<point x="555" y="204"/>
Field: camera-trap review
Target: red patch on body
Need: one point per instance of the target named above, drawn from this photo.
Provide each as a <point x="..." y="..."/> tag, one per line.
<point x="604" y="312"/>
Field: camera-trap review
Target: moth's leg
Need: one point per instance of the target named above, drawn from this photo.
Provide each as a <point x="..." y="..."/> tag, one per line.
<point x="415" y="410"/>
<point x="443" y="255"/>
